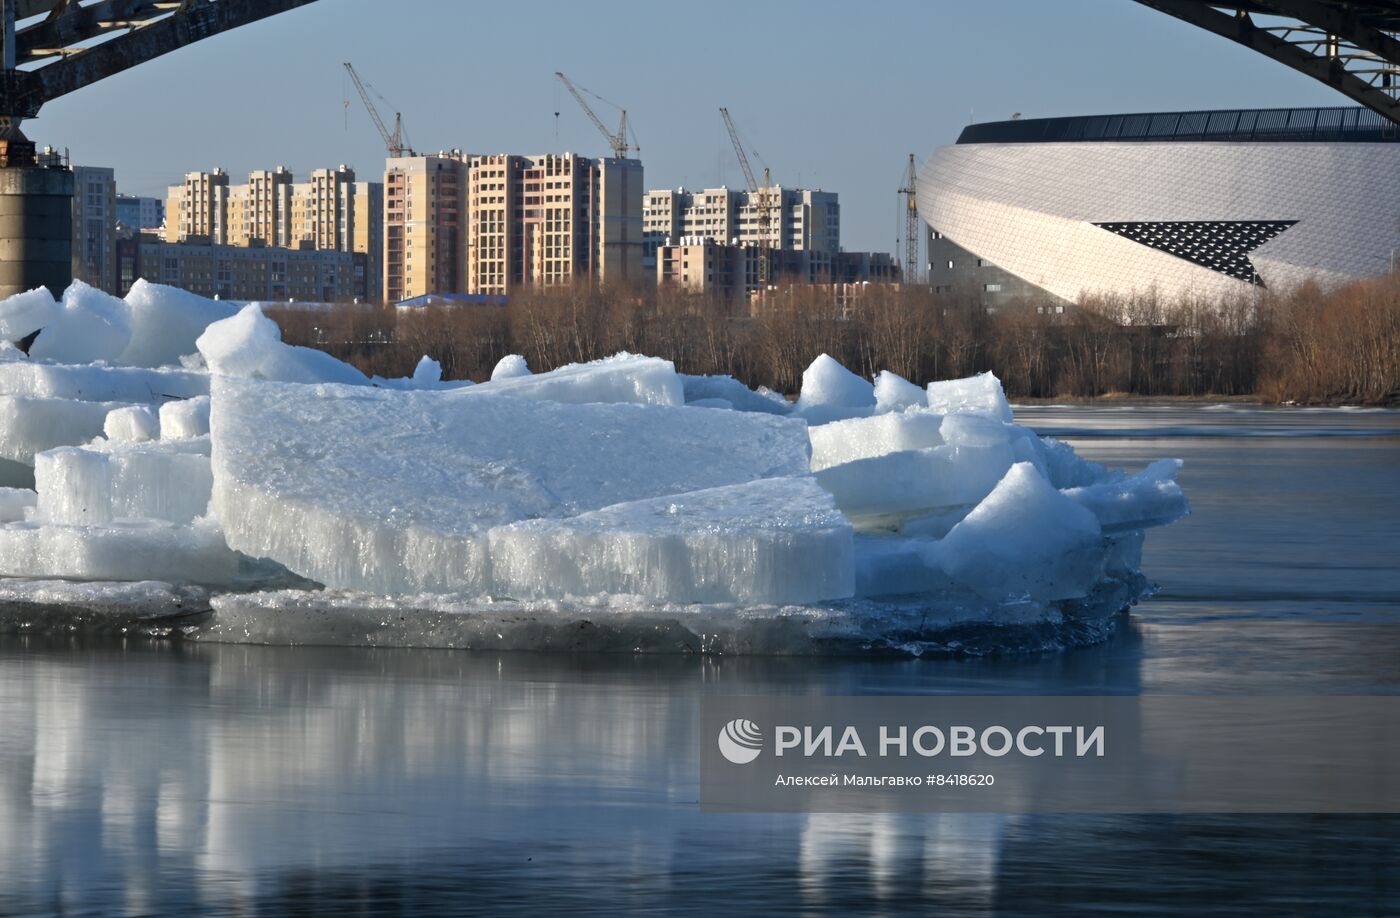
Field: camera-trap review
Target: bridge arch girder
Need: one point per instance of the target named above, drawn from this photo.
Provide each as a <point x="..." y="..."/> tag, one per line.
<point x="64" y="50"/>
<point x="1351" y="46"/>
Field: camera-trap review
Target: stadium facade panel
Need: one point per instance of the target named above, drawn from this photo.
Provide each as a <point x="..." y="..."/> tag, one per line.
<point x="1170" y="206"/>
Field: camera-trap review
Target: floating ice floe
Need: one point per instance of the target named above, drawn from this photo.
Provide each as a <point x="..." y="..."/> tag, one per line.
<point x="869" y="514"/>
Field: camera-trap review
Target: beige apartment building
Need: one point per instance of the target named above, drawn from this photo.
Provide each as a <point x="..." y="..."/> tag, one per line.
<point x="95" y="227"/>
<point x="550" y="220"/>
<point x="425" y="213"/>
<point x="267" y="273"/>
<point x="798" y="219"/>
<point x="368" y="241"/>
<point x="273" y="210"/>
<point x="198" y="208"/>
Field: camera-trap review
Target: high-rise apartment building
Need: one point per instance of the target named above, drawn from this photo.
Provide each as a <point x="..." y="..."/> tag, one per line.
<point x="798" y="219"/>
<point x="95" y="227"/>
<point x="261" y="211"/>
<point x="323" y="210"/>
<point x="425" y="215"/>
<point x="550" y="220"/>
<point x="198" y="208"/>
<point x="274" y="211"/>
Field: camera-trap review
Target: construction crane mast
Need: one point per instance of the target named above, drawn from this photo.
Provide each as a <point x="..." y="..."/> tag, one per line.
<point x="396" y="143"/>
<point x="911" y="222"/>
<point x="761" y="195"/>
<point x="620" y="142"/>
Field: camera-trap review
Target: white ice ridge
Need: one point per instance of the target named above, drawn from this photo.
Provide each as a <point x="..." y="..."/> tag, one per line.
<point x="773" y="540"/>
<point x="395" y="492"/>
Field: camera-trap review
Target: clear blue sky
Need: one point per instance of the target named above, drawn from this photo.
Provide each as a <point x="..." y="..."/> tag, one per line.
<point x="832" y="94"/>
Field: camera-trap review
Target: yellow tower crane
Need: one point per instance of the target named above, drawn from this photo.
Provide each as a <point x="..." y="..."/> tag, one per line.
<point x="762" y="195"/>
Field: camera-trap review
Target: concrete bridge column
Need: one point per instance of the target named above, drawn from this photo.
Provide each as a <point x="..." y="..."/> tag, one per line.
<point x="36" y="220"/>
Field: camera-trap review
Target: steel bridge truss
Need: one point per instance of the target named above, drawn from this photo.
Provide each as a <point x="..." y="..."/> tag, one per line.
<point x="53" y="47"/>
<point x="1349" y="45"/>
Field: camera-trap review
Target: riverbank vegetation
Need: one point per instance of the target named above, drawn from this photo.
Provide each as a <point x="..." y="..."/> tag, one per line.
<point x="1300" y="346"/>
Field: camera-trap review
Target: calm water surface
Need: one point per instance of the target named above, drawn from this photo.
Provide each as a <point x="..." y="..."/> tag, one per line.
<point x="158" y="778"/>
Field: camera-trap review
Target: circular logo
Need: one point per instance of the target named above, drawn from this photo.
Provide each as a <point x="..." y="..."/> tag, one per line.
<point x="740" y="741"/>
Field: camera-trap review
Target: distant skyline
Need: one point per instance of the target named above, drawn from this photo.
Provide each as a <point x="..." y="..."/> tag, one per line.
<point x="833" y="95"/>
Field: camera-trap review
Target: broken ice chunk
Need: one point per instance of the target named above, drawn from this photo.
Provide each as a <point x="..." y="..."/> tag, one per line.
<point x="895" y="393"/>
<point x="90" y="325"/>
<point x="1025" y="540"/>
<point x="32" y="425"/>
<point x="778" y="540"/>
<point x="831" y="392"/>
<point x="982" y="392"/>
<point x="132" y="424"/>
<point x="509" y="367"/>
<point x="165" y="322"/>
<point x="25" y="313"/>
<point x="621" y="378"/>
<point x="185" y="419"/>
<point x="134" y="550"/>
<point x="165" y="480"/>
<point x="915" y="482"/>
<point x="1150" y="498"/>
<point x="97" y="383"/>
<point x="861" y="438"/>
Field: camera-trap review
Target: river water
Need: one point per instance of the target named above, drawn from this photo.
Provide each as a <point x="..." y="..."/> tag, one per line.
<point x="147" y="777"/>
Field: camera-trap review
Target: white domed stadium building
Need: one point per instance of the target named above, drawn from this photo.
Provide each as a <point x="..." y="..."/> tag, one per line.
<point x="1212" y="204"/>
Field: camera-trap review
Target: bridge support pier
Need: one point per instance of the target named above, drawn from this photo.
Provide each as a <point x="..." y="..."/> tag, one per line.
<point x="36" y="218"/>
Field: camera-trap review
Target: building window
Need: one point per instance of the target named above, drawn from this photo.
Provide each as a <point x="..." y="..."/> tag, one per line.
<point x="992" y="288"/>
<point x="950" y="264"/>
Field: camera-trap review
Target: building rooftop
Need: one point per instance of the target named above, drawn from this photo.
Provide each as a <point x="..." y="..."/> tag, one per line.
<point x="1294" y="125"/>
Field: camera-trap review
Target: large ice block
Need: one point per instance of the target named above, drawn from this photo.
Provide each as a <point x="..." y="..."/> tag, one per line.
<point x="98" y="383"/>
<point x="165" y="322"/>
<point x="982" y="392"/>
<point x="1026" y="539"/>
<point x="1150" y="498"/>
<point x="862" y="438"/>
<point x="249" y="344"/>
<point x="394" y="492"/>
<point x="90" y="325"/>
<point x="778" y="540"/>
<point x="621" y="378"/>
<point x="105" y="481"/>
<point x="137" y="550"/>
<point x="32" y="425"/>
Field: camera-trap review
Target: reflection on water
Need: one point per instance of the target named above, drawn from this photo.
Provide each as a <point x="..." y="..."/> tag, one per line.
<point x="163" y="778"/>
